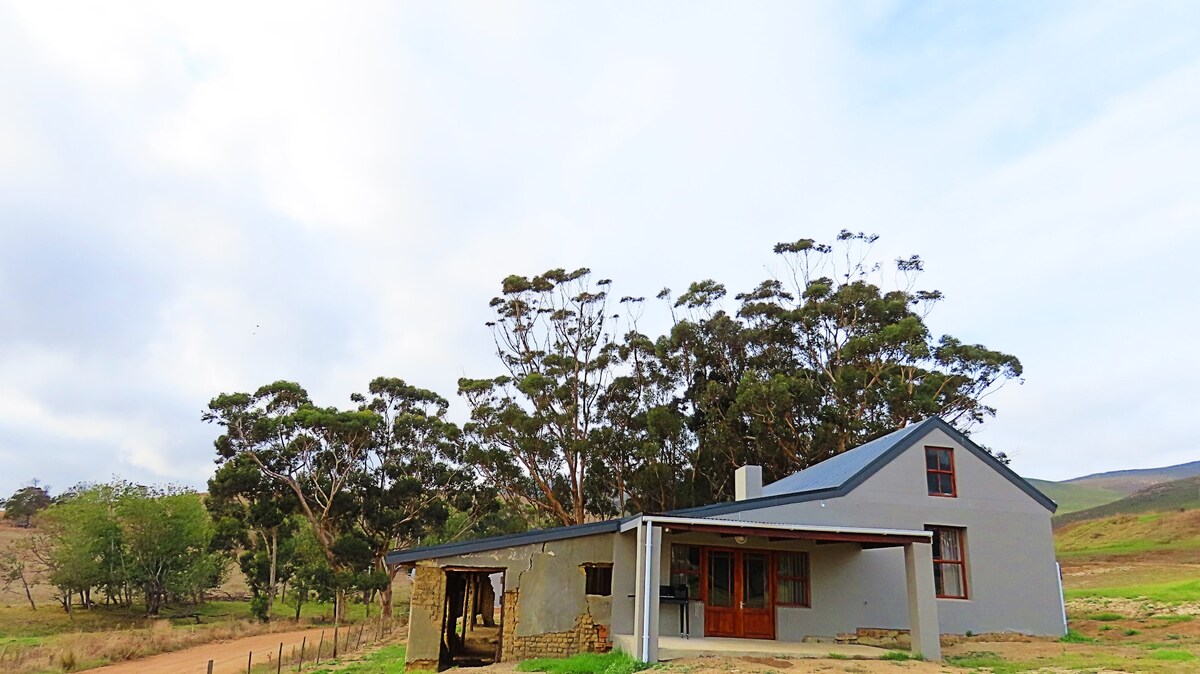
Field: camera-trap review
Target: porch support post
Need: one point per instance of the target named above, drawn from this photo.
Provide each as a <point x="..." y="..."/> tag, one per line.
<point x="922" y="601"/>
<point x="645" y="608"/>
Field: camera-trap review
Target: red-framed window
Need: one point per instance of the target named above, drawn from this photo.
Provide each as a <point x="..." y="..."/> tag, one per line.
<point x="939" y="471"/>
<point x="792" y="579"/>
<point x="685" y="568"/>
<point x="949" y="562"/>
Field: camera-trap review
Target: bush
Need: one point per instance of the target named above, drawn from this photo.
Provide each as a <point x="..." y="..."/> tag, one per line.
<point x="260" y="608"/>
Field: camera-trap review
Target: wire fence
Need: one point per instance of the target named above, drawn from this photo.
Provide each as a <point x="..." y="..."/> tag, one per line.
<point x="330" y="644"/>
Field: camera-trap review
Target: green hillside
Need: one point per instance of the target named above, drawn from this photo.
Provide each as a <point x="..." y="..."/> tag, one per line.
<point x="1177" y="495"/>
<point x="1130" y="481"/>
<point x="1072" y="497"/>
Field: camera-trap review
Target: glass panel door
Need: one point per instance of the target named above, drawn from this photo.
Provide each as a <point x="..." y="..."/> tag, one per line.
<point x="756" y="584"/>
<point x="720" y="579"/>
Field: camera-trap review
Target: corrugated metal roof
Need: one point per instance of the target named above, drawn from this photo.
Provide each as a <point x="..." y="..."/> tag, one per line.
<point x="836" y="471"/>
<point x="497" y="542"/>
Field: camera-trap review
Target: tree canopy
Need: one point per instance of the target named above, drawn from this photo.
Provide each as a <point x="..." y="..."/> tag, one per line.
<point x="834" y="352"/>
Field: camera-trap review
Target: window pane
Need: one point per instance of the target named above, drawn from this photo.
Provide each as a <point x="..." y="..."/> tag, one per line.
<point x="950" y="547"/>
<point x="720" y="579"/>
<point x="791" y="591"/>
<point x="947" y="483"/>
<point x="952" y="580"/>
<point x="931" y="461"/>
<point x="943" y="460"/>
<point x="755" y="582"/>
<point x="685" y="558"/>
<point x="932" y="479"/>
<point x="690" y="580"/>
<point x="791" y="564"/>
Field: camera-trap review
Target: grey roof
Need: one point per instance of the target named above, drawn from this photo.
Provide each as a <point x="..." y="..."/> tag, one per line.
<point x="497" y="542"/>
<point x="839" y="475"/>
<point x="834" y="472"/>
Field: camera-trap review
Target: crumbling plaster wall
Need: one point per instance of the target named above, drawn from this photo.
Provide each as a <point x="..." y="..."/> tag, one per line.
<point x="545" y="608"/>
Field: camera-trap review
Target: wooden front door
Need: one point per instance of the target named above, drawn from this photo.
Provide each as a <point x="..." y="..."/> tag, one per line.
<point x="737" y="594"/>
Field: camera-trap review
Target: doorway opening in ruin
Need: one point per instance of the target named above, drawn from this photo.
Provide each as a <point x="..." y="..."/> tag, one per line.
<point x="472" y="632"/>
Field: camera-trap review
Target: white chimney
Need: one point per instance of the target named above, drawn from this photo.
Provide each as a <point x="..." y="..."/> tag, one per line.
<point x="747" y="483"/>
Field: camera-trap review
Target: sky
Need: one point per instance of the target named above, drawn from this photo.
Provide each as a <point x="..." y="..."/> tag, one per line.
<point x="199" y="198"/>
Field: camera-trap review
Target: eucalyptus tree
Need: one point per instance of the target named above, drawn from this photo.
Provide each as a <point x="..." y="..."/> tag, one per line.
<point x="839" y="352"/>
<point x="531" y="429"/>
<point x="365" y="479"/>
<point x="251" y="515"/>
<point x="410" y="480"/>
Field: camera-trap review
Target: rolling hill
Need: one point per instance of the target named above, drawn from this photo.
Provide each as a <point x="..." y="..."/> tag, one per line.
<point x="1177" y="495"/>
<point x="1130" y="481"/>
<point x="1073" y="497"/>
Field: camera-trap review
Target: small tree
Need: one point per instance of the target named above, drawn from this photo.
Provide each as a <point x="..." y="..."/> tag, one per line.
<point x="25" y="503"/>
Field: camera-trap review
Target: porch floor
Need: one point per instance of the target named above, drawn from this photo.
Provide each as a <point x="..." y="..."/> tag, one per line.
<point x="673" y="648"/>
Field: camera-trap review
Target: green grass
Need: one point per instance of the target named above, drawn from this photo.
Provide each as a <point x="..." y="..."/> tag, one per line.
<point x="1174" y="619"/>
<point x="614" y="662"/>
<point x="984" y="659"/>
<point x="1173" y="656"/>
<point x="1167" y="593"/>
<point x="1073" y="637"/>
<point x="900" y="656"/>
<point x="387" y="660"/>
<point x="1105" y="617"/>
<point x="240" y="610"/>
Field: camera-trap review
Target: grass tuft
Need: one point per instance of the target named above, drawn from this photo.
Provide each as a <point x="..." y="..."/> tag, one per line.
<point x="613" y="662"/>
<point x="900" y="656"/>
<point x="1073" y="637"/>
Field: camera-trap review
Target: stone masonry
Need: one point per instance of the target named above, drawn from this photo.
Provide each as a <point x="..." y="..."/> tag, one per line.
<point x="425" y="622"/>
<point x="586" y="636"/>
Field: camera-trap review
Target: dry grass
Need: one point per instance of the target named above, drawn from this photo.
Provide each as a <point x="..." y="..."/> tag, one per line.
<point x="48" y="640"/>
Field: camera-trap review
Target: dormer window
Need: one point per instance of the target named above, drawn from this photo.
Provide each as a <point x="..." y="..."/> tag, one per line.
<point x="939" y="471"/>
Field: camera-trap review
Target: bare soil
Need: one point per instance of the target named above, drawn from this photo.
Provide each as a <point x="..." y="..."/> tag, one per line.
<point x="229" y="657"/>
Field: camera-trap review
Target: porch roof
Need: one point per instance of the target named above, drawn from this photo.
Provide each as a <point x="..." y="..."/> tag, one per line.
<point x="780" y="531"/>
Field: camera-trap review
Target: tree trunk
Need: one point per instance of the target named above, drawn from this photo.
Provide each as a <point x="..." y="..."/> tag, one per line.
<point x="28" y="594"/>
<point x="274" y="559"/>
<point x="385" y="596"/>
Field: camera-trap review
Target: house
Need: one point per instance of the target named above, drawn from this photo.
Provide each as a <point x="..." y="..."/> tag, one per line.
<point x="920" y="531"/>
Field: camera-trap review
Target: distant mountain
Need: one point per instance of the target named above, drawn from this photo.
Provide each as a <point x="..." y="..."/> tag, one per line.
<point x="1176" y="495"/>
<point x="1073" y="497"/>
<point x="1130" y="481"/>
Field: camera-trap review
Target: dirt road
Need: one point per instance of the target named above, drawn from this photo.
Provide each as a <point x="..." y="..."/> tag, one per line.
<point x="229" y="657"/>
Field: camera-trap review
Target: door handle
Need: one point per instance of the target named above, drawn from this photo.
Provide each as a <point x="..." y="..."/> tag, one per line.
<point x="741" y="604"/>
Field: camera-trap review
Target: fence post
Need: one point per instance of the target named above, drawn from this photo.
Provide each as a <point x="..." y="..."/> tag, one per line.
<point x="319" y="645"/>
<point x="361" y="627"/>
<point x="210" y="664"/>
<point x="279" y="660"/>
<point x="249" y="660"/>
<point x="303" y="643"/>
<point x="335" y="631"/>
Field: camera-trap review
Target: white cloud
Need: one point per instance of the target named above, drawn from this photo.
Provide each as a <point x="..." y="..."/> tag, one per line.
<point x="204" y="198"/>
